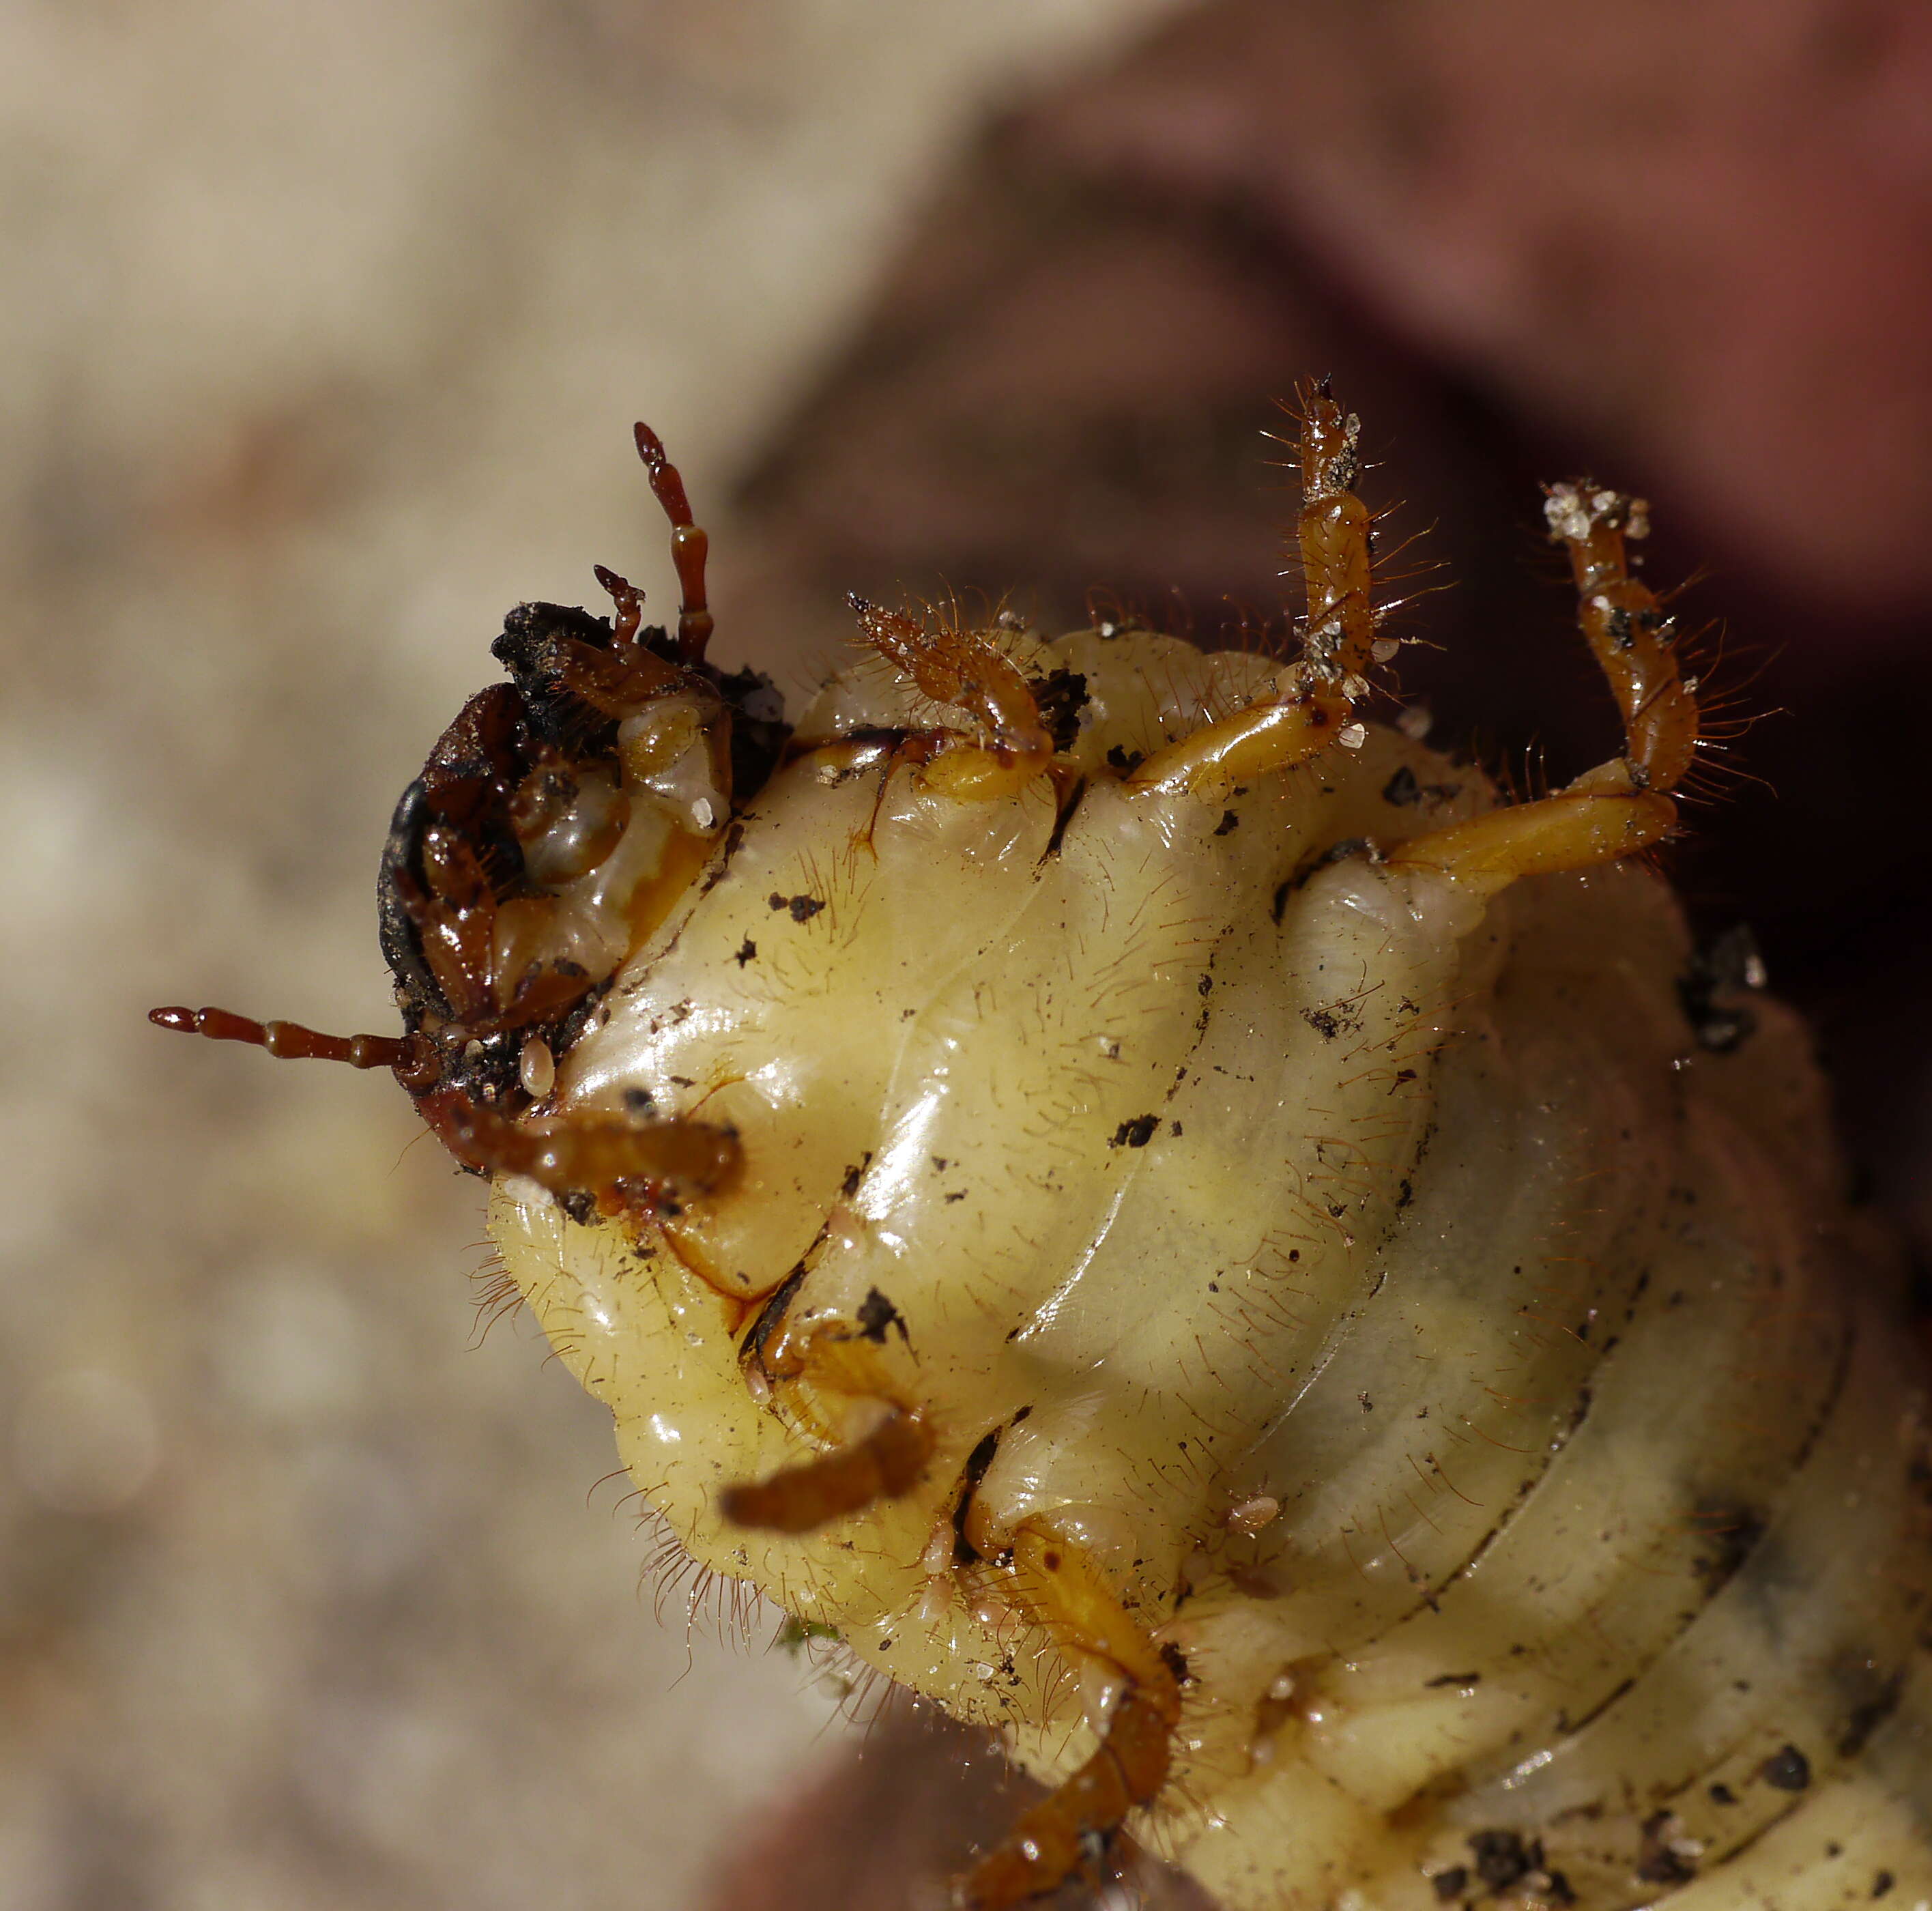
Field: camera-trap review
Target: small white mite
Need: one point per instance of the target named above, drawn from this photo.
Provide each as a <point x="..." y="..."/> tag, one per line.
<point x="536" y="1068"/>
<point x="1085" y="1156"/>
<point x="1248" y="1518"/>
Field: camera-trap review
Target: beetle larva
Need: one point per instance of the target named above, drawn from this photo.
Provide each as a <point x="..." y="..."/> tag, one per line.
<point x="1083" y="1157"/>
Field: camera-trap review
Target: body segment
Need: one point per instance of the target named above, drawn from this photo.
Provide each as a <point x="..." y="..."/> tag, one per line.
<point x="1200" y="1171"/>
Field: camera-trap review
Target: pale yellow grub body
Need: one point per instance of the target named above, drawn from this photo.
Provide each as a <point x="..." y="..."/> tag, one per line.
<point x="1477" y="1382"/>
<point x="1175" y="1221"/>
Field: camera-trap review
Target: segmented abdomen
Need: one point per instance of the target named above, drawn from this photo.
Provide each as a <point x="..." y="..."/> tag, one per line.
<point x="1602" y="1559"/>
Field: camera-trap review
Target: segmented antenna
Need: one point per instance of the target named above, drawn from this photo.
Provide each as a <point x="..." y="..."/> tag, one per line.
<point x="290" y="1041"/>
<point x="688" y="545"/>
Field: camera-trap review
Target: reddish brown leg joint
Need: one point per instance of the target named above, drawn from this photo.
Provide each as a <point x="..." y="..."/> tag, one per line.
<point x="1069" y="1831"/>
<point x="886" y="1464"/>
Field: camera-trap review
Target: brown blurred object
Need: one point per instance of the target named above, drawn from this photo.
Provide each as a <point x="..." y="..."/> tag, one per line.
<point x="1698" y="236"/>
<point x="902" y="1814"/>
<point x="1691" y="248"/>
<point x="1697" y="240"/>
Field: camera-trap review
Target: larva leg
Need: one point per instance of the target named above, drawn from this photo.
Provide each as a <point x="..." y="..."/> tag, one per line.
<point x="886" y="1463"/>
<point x="1009" y="745"/>
<point x="841" y="1381"/>
<point x="1622" y="806"/>
<point x="1338" y="632"/>
<point x="625" y="1165"/>
<point x="1268" y="735"/>
<point x="1069" y="1830"/>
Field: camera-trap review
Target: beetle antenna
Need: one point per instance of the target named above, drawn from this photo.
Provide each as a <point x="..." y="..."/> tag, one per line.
<point x="688" y="545"/>
<point x="290" y="1041"/>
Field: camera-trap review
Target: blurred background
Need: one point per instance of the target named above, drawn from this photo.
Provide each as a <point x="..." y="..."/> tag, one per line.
<point x="323" y="330"/>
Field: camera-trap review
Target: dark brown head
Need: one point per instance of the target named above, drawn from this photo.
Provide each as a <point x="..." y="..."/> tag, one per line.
<point x="558" y="818"/>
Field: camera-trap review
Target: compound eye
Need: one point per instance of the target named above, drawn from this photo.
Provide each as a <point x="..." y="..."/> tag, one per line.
<point x="567" y="821"/>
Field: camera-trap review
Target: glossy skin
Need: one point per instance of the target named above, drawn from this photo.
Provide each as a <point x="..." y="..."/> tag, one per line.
<point x="1133" y="1195"/>
<point x="1437" y="1201"/>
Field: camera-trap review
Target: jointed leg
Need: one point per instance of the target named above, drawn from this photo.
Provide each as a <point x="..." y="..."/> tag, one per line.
<point x="844" y="1379"/>
<point x="1628" y="631"/>
<point x="1059" y="1586"/>
<point x="1338" y="632"/>
<point x="1314" y="710"/>
<point x="1622" y="806"/>
<point x="1268" y="735"/>
<point x="885" y="1464"/>
<point x="1069" y="1831"/>
<point x="1009" y="745"/>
